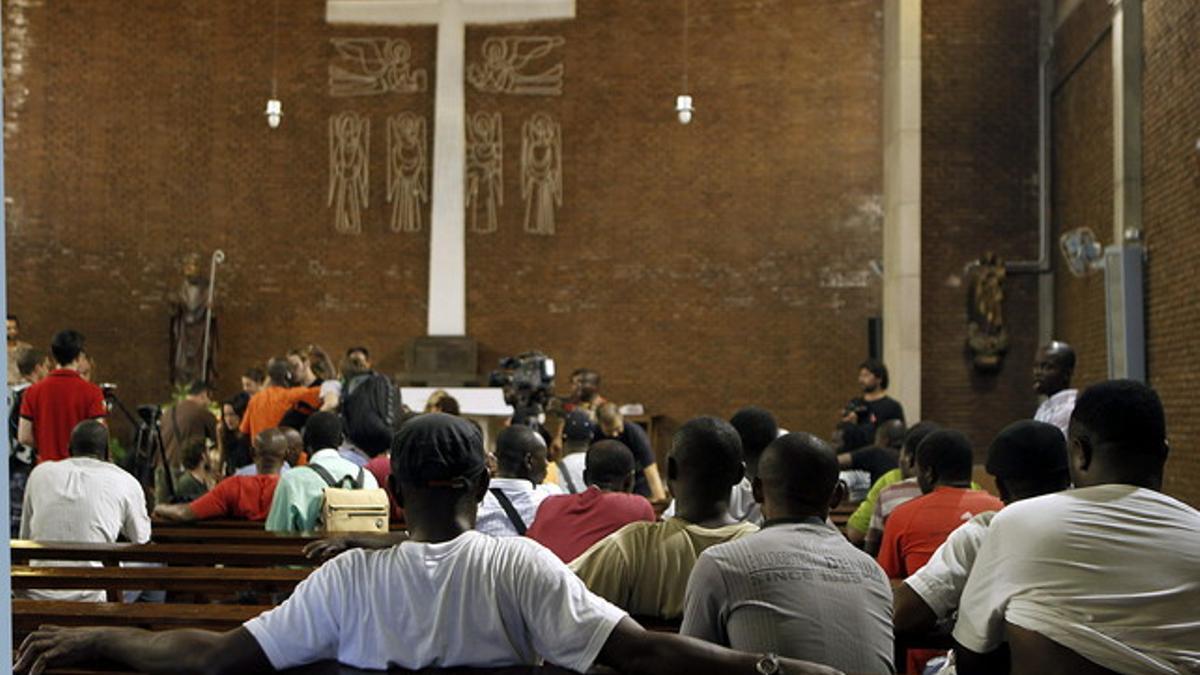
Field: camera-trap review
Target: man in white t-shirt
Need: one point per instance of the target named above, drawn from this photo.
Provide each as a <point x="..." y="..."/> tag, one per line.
<point x="1052" y="372"/>
<point x="516" y="492"/>
<point x="83" y="499"/>
<point x="448" y="597"/>
<point x="1101" y="576"/>
<point x="1028" y="459"/>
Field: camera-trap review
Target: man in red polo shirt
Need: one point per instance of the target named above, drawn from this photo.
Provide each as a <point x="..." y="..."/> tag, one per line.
<point x="569" y="524"/>
<point x="238" y="497"/>
<point x="916" y="528"/>
<point x="51" y="408"/>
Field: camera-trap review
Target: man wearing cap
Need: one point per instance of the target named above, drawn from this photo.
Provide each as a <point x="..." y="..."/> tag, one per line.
<point x="577" y="436"/>
<point x="449" y="597"/>
<point x="1027" y="459"/>
<point x="516" y="491"/>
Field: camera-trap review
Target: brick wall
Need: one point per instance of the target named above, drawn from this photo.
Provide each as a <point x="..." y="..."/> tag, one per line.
<point x="1171" y="184"/>
<point x="698" y="268"/>
<point x="1171" y="170"/>
<point x="978" y="194"/>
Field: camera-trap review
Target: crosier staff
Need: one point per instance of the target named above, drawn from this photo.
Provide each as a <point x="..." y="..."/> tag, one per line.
<point x="218" y="257"/>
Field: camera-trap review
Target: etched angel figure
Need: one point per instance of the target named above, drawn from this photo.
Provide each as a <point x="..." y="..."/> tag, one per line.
<point x="349" y="147"/>
<point x="505" y="57"/>
<point x="408" y="183"/>
<point x="372" y="66"/>
<point x="485" y="170"/>
<point x="541" y="172"/>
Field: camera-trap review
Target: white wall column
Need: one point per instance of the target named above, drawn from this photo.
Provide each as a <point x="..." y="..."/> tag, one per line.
<point x="902" y="201"/>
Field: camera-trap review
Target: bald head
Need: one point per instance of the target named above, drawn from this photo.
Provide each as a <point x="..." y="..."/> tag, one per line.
<point x="521" y="453"/>
<point x="272" y="441"/>
<point x="89" y="438"/>
<point x="1053" y="367"/>
<point x="797" y="476"/>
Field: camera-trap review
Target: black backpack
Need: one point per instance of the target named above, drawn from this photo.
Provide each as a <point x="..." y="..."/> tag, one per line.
<point x="370" y="409"/>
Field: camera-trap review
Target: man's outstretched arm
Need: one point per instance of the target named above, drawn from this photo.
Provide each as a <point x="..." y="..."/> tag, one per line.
<point x="176" y="651"/>
<point x="633" y="649"/>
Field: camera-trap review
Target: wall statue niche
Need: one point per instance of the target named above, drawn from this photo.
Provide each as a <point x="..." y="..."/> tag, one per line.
<point x="485" y="170"/>
<point x="407" y="170"/>
<point x="987" y="336"/>
<point x="504" y="60"/>
<point x="373" y="66"/>
<point x="349" y="150"/>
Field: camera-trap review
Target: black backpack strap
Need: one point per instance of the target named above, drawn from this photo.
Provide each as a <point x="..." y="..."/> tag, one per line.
<point x="562" y="469"/>
<point x="323" y="473"/>
<point x="509" y="510"/>
<point x="358" y="482"/>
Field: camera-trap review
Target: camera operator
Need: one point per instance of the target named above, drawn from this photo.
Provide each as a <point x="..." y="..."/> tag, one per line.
<point x="874" y="407"/>
<point x="51" y="408"/>
<point x="585" y="391"/>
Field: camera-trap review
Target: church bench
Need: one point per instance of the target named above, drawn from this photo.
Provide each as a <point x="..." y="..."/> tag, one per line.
<point x="206" y="580"/>
<point x="244" y="555"/>
<point x="230" y="524"/>
<point x="27" y="615"/>
<point x="334" y="668"/>
<point x="199" y="535"/>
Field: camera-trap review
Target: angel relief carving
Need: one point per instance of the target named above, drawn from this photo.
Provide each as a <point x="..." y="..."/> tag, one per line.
<point x="541" y="172"/>
<point x="502" y="70"/>
<point x="408" y="178"/>
<point x="485" y="170"/>
<point x="349" y="148"/>
<point x="373" y="66"/>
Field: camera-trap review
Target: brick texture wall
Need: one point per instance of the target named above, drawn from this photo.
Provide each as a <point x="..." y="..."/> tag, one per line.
<point x="698" y="268"/>
<point x="978" y="194"/>
<point x="1171" y="184"/>
<point x="1171" y="170"/>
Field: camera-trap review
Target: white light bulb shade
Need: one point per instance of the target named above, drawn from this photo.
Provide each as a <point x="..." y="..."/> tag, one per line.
<point x="274" y="112"/>
<point x="683" y="106"/>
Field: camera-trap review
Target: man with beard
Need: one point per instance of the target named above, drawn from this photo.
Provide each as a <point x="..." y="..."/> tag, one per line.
<point x="1052" y="372"/>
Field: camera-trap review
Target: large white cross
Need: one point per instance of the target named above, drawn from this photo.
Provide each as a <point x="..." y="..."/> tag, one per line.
<point x="447" y="231"/>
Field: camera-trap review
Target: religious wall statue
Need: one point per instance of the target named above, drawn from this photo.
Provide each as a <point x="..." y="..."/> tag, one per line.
<point x="189" y="317"/>
<point x="373" y="66"/>
<point x="504" y="61"/>
<point x="407" y="171"/>
<point x="485" y="170"/>
<point x="987" y="337"/>
<point x="349" y="149"/>
<point x="541" y="172"/>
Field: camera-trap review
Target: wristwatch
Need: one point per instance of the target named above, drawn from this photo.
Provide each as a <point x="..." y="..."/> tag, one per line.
<point x="768" y="665"/>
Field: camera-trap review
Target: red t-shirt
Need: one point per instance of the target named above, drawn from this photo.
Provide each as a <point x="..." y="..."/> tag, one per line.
<point x="916" y="528"/>
<point x="570" y="524"/>
<point x="381" y="467"/>
<point x="55" y="405"/>
<point x="240" y="497"/>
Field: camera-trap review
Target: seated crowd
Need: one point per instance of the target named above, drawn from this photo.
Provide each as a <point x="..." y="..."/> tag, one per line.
<point x="549" y="550"/>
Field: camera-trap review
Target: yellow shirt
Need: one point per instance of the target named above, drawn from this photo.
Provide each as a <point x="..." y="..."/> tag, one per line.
<point x="644" y="567"/>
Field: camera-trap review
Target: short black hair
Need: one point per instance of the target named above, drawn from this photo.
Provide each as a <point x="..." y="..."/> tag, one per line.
<point x="799" y="469"/>
<point x="238" y="402"/>
<point x="876" y="368"/>
<point x="89" y="437"/>
<point x="364" y="350"/>
<point x="66" y="346"/>
<point x="255" y="373"/>
<point x="29" y="359"/>
<point x="757" y="428"/>
<point x="513" y="445"/>
<point x="709" y="449"/>
<point x="891" y="433"/>
<point x="1122" y="419"/>
<point x="608" y="463"/>
<point x="14" y="319"/>
<point x="197" y="387"/>
<point x="947" y="452"/>
<point x="279" y="371"/>
<point x="193" y="453"/>
<point x="322" y="430"/>
<point x="916" y="434"/>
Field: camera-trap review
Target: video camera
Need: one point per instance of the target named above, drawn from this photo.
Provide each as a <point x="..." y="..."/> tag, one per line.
<point x="528" y="383"/>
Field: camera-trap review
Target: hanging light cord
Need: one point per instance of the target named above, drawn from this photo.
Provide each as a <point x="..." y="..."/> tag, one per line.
<point x="685" y="46"/>
<point x="275" y="47"/>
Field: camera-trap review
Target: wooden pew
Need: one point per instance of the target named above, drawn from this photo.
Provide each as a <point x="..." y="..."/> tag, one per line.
<point x="198" y="535"/>
<point x="334" y="668"/>
<point x="27" y="615"/>
<point x="234" y="555"/>
<point x="205" y="580"/>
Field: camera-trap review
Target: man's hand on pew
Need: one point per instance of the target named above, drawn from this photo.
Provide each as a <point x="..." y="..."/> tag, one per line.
<point x="174" y="651"/>
<point x="325" y="549"/>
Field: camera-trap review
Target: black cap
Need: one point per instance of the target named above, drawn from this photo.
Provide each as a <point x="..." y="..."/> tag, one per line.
<point x="1027" y="449"/>
<point x="438" y="450"/>
<point x="579" y="426"/>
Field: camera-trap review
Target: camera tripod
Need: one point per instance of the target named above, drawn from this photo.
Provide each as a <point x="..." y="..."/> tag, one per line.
<point x="147" y="440"/>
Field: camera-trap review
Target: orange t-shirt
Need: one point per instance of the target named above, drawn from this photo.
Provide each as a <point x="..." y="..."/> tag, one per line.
<point x="916" y="528"/>
<point x="268" y="406"/>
